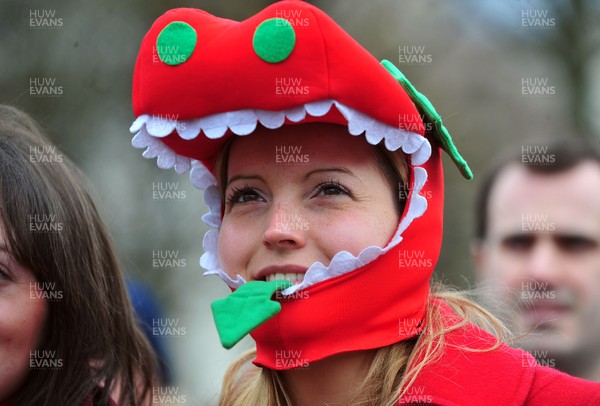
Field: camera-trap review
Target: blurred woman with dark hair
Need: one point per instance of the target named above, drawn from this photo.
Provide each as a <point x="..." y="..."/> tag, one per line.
<point x="67" y="330"/>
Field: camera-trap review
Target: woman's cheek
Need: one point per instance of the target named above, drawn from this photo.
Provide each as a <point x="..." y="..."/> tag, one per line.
<point x="232" y="247"/>
<point x="22" y="323"/>
<point x="355" y="231"/>
<point x="337" y="232"/>
<point x="14" y="365"/>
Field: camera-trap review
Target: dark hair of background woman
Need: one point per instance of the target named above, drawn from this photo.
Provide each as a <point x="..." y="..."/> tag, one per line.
<point x="92" y="328"/>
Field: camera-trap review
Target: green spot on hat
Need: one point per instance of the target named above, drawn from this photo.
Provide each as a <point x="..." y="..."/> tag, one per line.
<point x="176" y="43"/>
<point x="274" y="40"/>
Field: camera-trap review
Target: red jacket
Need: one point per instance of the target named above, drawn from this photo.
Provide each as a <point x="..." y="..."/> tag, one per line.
<point x="505" y="376"/>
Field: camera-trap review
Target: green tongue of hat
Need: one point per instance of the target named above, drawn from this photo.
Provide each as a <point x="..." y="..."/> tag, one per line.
<point x="245" y="309"/>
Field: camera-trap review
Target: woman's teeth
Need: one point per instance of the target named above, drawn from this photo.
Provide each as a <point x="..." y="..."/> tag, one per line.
<point x="292" y="277"/>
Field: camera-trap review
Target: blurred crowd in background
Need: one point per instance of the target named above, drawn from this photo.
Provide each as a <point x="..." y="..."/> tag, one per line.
<point x="504" y="75"/>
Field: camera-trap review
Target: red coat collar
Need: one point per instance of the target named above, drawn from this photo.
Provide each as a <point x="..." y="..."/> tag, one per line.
<point x="460" y="377"/>
<point x="505" y="376"/>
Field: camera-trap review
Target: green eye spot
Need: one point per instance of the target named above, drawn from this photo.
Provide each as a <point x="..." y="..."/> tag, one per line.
<point x="176" y="43"/>
<point x="274" y="40"/>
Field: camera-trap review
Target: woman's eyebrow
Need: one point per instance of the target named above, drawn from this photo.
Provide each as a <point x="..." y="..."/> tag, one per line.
<point x="342" y="170"/>
<point x="306" y="176"/>
<point x="237" y="177"/>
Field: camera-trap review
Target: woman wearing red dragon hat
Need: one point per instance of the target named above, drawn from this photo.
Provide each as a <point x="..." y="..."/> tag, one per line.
<point x="326" y="205"/>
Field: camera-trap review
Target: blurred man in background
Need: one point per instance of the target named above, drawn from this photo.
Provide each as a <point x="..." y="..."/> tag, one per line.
<point x="537" y="252"/>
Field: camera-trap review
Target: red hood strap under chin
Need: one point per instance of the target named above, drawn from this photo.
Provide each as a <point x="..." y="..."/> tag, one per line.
<point x="373" y="306"/>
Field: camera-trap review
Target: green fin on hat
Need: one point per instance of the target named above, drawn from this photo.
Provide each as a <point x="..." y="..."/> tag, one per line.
<point x="245" y="309"/>
<point x="440" y="133"/>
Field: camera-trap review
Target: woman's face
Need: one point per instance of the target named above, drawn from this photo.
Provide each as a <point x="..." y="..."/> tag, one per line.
<point x="22" y="318"/>
<point x="298" y="195"/>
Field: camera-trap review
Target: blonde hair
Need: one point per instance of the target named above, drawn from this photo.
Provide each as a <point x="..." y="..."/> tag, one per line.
<point x="393" y="370"/>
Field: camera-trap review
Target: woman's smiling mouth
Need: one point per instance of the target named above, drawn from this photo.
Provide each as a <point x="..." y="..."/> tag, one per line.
<point x="291" y="273"/>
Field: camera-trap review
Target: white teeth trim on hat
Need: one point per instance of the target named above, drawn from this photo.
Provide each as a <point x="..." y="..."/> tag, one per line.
<point x="149" y="129"/>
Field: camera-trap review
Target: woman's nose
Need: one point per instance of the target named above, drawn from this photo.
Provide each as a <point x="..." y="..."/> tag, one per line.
<point x="286" y="229"/>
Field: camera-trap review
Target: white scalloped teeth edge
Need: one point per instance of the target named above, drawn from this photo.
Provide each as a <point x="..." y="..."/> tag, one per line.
<point x="149" y="129"/>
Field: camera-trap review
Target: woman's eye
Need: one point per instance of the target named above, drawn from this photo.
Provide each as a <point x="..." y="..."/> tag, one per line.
<point x="331" y="189"/>
<point x="243" y="195"/>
